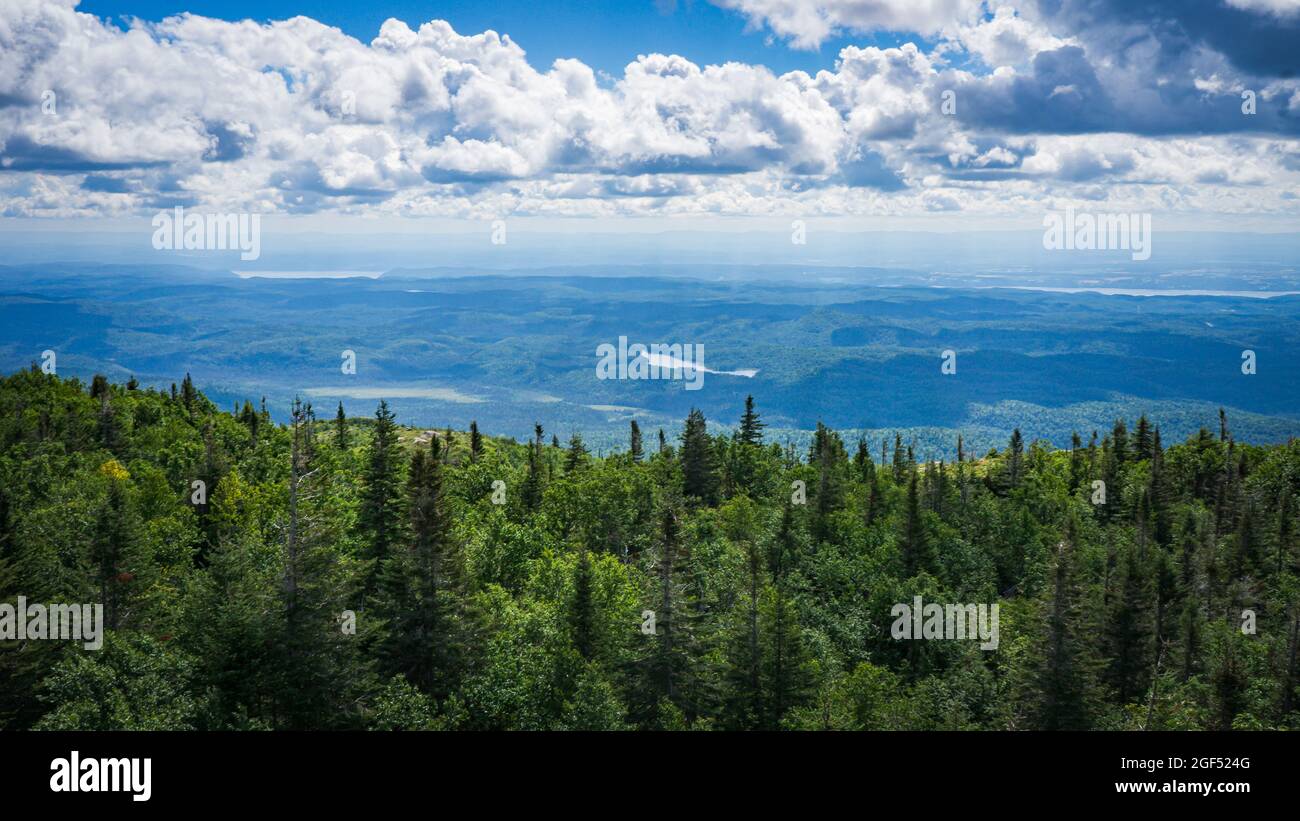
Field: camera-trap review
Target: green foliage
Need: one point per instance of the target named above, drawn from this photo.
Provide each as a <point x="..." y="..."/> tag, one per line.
<point x="497" y="585"/>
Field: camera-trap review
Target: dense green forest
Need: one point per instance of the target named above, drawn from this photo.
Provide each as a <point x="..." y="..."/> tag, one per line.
<point x="502" y="585"/>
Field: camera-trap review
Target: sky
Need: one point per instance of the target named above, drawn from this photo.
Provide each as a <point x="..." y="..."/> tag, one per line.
<point x="955" y="113"/>
<point x="605" y="36"/>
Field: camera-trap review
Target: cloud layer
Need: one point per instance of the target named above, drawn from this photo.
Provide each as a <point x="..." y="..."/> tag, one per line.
<point x="1005" y="110"/>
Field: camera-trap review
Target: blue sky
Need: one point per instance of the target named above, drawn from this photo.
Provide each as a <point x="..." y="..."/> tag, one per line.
<point x="605" y="35"/>
<point x="955" y="113"/>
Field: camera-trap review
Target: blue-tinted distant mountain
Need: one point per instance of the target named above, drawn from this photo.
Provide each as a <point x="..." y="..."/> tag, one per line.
<point x="705" y="253"/>
<point x="511" y="349"/>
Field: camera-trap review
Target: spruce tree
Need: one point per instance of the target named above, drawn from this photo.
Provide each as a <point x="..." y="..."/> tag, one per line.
<point x="116" y="550"/>
<point x="636" y="451"/>
<point x="745" y="707"/>
<point x="1064" y="686"/>
<point x="340" y="428"/>
<point x="423" y="588"/>
<point x="1129" y="629"/>
<point x="1142" y="438"/>
<point x="582" y="610"/>
<point x="917" y="554"/>
<point x="862" y="464"/>
<point x="1285" y="531"/>
<point x="475" y="442"/>
<point x="577" y="456"/>
<point x="1119" y="442"/>
<point x="670" y="660"/>
<point x="531" y="493"/>
<point x="1078" y="467"/>
<point x="698" y="469"/>
<point x="751" y="427"/>
<point x="315" y="672"/>
<point x="380" y="514"/>
<point x="1016" y="448"/>
<point x="189" y="396"/>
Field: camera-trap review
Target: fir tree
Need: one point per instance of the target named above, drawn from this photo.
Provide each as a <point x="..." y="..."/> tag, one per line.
<point x="751" y="427"/>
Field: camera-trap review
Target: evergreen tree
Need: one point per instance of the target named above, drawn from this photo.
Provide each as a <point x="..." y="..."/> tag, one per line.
<point x="862" y="464"/>
<point x="1229" y="682"/>
<point x="475" y="442"/>
<point x="751" y="427"/>
<point x="636" y="451"/>
<point x="1129" y="630"/>
<point x="116" y="549"/>
<point x="380" y="512"/>
<point x="1158" y="493"/>
<point x="340" y="428"/>
<point x="745" y="707"/>
<point x="900" y="459"/>
<point x="582" y="609"/>
<point x="917" y="554"/>
<point x="1119" y="442"/>
<point x="1189" y="629"/>
<point x="1285" y="531"/>
<point x="315" y="671"/>
<point x="531" y="493"/>
<point x="189" y="396"/>
<point x="1078" y="466"/>
<point x="670" y="661"/>
<point x="577" y="456"/>
<point x="830" y="455"/>
<point x="1065" y="685"/>
<point x="1016" y="449"/>
<point x="423" y="588"/>
<point x="1143" y="441"/>
<point x="698" y="469"/>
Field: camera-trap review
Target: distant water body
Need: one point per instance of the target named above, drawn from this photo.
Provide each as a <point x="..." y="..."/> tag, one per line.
<point x="1092" y="290"/>
<point x="309" y="274"/>
<point x="1135" y="291"/>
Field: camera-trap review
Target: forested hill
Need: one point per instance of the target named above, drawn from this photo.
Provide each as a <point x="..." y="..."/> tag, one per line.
<point x="502" y="585"/>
